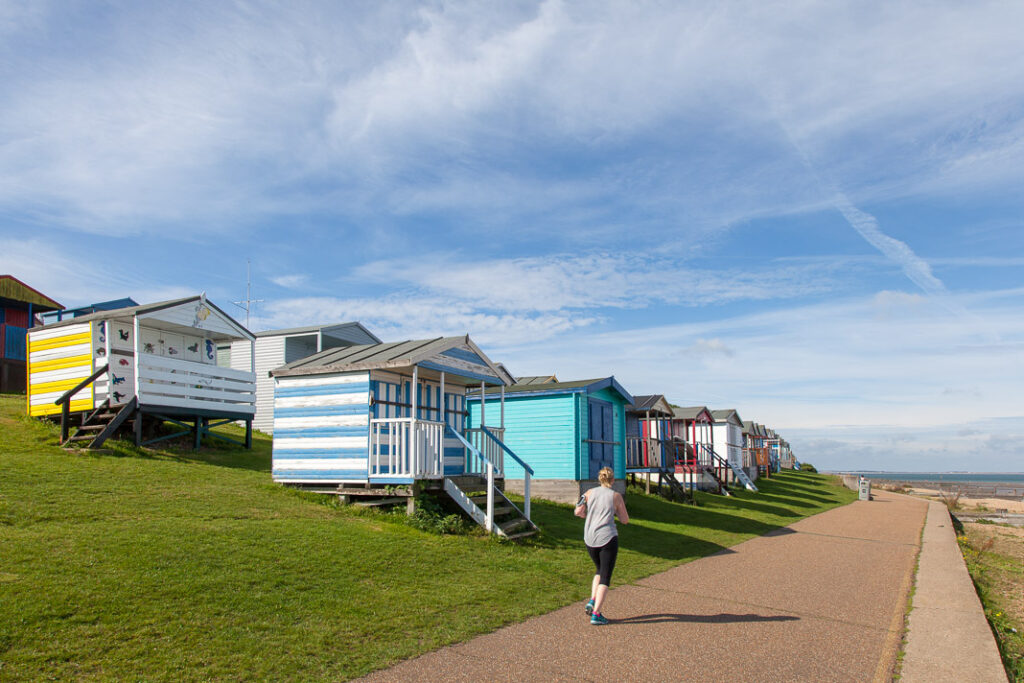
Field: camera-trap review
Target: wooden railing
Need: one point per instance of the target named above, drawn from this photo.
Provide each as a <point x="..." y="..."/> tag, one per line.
<point x="187" y="384"/>
<point x="65" y="402"/>
<point x="406" y="447"/>
<point x="642" y="453"/>
<point x="489" y="448"/>
<point x="487" y="468"/>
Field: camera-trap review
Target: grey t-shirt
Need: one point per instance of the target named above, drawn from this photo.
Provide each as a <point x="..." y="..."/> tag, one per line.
<point x="600" y="525"/>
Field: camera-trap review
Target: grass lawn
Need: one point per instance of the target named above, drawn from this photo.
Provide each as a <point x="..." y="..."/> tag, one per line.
<point x="995" y="559"/>
<point x="141" y="564"/>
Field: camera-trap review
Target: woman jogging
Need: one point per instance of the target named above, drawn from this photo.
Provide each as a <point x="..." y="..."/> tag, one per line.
<point x="600" y="505"/>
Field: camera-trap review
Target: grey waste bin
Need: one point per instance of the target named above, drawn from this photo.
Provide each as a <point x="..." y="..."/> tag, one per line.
<point x="865" y="489"/>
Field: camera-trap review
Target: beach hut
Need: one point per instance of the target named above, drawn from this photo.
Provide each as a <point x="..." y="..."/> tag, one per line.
<point x="144" y="364"/>
<point x="649" y="446"/>
<point x="275" y="348"/>
<point x="388" y="420"/>
<point x="755" y="437"/>
<point x="727" y="437"/>
<point x="20" y="307"/>
<point x="567" y="431"/>
<point x="697" y="464"/>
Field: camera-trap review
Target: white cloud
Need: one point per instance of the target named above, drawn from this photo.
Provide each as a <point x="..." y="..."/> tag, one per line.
<point x="290" y="281"/>
<point x="570" y="282"/>
<point x="73" y="278"/>
<point x="587" y="116"/>
<point x="400" y="317"/>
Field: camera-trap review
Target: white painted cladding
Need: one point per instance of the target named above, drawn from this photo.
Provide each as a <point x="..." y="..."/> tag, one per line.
<point x="269" y="355"/>
<point x="728" y="440"/>
<point x="197" y="314"/>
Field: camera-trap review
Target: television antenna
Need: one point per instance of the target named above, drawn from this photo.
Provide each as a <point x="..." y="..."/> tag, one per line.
<point x="247" y="303"/>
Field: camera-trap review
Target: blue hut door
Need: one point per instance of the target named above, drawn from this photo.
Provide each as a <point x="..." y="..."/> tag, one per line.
<point x="602" y="447"/>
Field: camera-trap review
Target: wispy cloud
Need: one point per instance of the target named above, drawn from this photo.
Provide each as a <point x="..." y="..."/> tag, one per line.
<point x="585" y="116"/>
<point x="290" y="281"/>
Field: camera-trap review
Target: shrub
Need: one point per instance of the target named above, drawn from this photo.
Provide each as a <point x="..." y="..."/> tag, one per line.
<point x="430" y="516"/>
<point x="951" y="498"/>
<point x="808" y="467"/>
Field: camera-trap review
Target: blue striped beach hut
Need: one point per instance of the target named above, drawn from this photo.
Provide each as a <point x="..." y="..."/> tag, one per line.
<point x="378" y="417"/>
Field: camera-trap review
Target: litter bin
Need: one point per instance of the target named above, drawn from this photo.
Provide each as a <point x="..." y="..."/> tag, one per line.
<point x="865" y="489"/>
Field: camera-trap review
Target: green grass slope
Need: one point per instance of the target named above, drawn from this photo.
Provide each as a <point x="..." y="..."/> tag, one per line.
<point x="157" y="565"/>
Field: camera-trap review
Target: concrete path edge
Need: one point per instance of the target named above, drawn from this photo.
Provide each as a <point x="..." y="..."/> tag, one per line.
<point x="948" y="637"/>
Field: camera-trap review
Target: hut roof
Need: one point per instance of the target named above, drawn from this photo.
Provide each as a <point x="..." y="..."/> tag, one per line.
<point x="655" y="403"/>
<point x="388" y="356"/>
<point x="537" y="379"/>
<point x="690" y="412"/>
<point x="726" y="414"/>
<point x="328" y="330"/>
<point x="14" y="289"/>
<point x="142" y="309"/>
<point x="588" y="386"/>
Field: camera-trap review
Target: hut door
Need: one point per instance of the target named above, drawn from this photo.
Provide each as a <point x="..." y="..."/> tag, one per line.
<point x="601" y="439"/>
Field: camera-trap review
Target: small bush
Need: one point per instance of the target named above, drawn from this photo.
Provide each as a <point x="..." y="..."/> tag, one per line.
<point x="951" y="498"/>
<point x="808" y="467"/>
<point x="430" y="516"/>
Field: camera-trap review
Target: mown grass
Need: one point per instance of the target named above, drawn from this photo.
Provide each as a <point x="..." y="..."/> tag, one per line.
<point x="167" y="564"/>
<point x="995" y="559"/>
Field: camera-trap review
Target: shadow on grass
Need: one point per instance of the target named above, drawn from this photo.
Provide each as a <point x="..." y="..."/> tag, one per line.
<point x="658" y="526"/>
<point x="212" y="451"/>
<point x="748" y="504"/>
<point x="723" y="618"/>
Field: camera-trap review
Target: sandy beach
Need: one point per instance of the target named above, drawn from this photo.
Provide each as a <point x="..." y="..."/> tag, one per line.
<point x="978" y="504"/>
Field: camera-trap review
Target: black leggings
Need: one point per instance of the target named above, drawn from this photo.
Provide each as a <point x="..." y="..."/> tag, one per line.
<point x="604" y="559"/>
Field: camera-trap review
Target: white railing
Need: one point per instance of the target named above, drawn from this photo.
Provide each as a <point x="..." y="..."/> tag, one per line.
<point x="406" y="447"/>
<point x="487" y="468"/>
<point x="488" y="448"/>
<point x="186" y="384"/>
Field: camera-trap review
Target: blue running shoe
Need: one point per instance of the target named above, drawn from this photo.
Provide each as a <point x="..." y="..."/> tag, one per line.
<point x="597" y="619"/>
<point x="589" y="609"/>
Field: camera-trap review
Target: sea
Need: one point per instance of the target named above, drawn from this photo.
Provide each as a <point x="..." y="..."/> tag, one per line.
<point x="953" y="477"/>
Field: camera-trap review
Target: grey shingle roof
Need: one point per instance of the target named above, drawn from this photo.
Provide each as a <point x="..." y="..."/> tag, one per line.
<point x="643" y="404"/>
<point x="383" y="356"/>
<point x="689" y="412"/>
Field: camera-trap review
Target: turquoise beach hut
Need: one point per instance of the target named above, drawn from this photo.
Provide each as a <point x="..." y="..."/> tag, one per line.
<point x="567" y="431"/>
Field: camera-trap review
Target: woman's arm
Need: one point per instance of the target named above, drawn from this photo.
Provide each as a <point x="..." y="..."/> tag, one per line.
<point x="581" y="509"/>
<point x="620" y="508"/>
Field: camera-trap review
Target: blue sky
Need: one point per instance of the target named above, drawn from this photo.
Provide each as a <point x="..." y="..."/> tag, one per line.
<point x="811" y="212"/>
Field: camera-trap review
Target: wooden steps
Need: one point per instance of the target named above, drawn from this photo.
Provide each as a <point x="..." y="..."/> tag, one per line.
<point x="471" y="496"/>
<point x="100" y="425"/>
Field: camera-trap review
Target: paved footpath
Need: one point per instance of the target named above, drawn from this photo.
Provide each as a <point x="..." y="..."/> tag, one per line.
<point x="821" y="600"/>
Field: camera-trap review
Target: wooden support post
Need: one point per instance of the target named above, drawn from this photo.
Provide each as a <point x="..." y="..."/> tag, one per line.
<point x="248" y="434"/>
<point x="65" y="419"/>
<point x="198" y="430"/>
<point x="526" y="495"/>
<point x="483" y="403"/>
<point x="444" y="405"/>
<point x="138" y="426"/>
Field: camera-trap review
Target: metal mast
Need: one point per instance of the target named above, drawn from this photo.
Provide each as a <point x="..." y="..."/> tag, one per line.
<point x="246" y="304"/>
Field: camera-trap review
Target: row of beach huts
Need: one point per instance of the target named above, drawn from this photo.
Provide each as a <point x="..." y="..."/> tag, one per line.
<point x="371" y="421"/>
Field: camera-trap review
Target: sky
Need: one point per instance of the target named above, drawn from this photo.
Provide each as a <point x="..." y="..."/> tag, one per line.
<point x="811" y="212"/>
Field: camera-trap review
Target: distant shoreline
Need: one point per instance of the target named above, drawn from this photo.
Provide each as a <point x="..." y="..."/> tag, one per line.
<point x="1010" y="479"/>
